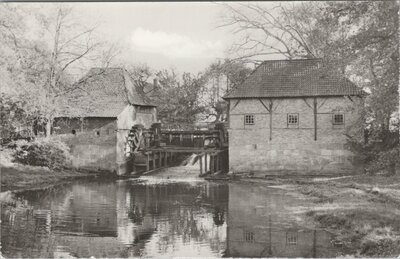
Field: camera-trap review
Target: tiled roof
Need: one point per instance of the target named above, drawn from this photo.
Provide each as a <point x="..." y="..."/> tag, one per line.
<point x="102" y="93"/>
<point x="294" y="78"/>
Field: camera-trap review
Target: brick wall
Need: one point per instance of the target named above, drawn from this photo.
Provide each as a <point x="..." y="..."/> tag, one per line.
<point x="293" y="148"/>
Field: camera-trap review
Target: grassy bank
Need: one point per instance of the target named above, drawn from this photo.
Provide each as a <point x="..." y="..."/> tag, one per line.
<point x="363" y="212"/>
<point x="16" y="176"/>
<point x="21" y="177"/>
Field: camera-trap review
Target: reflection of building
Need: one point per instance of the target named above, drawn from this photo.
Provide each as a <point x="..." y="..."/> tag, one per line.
<point x="260" y="224"/>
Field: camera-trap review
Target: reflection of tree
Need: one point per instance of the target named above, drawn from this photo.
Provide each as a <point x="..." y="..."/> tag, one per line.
<point x="181" y="212"/>
<point x="218" y="216"/>
<point x="135" y="214"/>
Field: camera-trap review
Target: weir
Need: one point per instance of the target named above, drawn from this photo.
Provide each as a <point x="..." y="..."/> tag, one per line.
<point x="147" y="150"/>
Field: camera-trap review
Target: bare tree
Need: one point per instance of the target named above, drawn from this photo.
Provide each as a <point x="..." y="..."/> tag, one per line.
<point x="266" y="31"/>
<point x="141" y="74"/>
<point x="73" y="46"/>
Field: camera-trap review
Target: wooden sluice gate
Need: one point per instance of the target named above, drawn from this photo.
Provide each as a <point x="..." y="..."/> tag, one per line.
<point x="152" y="149"/>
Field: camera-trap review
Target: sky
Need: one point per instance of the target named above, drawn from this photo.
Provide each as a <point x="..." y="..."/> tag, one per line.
<point x="182" y="36"/>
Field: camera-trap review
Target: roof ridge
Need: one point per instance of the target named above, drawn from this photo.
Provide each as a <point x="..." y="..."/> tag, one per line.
<point x="291" y="60"/>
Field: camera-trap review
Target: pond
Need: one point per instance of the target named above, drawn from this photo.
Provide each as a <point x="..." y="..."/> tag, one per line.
<point x="155" y="217"/>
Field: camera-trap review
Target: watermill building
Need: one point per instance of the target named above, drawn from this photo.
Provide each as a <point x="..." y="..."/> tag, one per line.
<point x="293" y="115"/>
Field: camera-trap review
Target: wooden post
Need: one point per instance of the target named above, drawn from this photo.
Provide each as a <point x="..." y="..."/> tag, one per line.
<point x="159" y="159"/>
<point x="201" y="165"/>
<point x="315" y="118"/>
<point x="211" y="163"/>
<point x="148" y="162"/>
<point x="270" y="120"/>
<point x="205" y="162"/>
<point x="154" y="160"/>
<point x="218" y="160"/>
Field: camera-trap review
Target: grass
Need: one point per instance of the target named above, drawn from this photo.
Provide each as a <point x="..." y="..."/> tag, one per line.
<point x="16" y="176"/>
<point x="367" y="219"/>
<point x="20" y="177"/>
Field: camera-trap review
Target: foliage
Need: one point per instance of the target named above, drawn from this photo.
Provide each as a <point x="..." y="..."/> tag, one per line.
<point x="177" y="98"/>
<point x="386" y="160"/>
<point x="38" y="66"/>
<point x="378" y="156"/>
<point x="11" y="111"/>
<point x="47" y="152"/>
<point x="220" y="78"/>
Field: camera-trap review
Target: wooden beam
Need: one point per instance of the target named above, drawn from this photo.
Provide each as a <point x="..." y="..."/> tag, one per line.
<point x="201" y="164"/>
<point x="265" y="106"/>
<point x="315" y="118"/>
<point x="237" y="102"/>
<point x="323" y="102"/>
<point x="277" y="102"/>
<point x="148" y="162"/>
<point x="212" y="163"/>
<point x="349" y="97"/>
<point x="154" y="160"/>
<point x="305" y="100"/>
<point x="270" y="120"/>
<point x="205" y="162"/>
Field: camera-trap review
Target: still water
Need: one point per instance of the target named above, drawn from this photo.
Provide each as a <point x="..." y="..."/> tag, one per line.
<point x="160" y="218"/>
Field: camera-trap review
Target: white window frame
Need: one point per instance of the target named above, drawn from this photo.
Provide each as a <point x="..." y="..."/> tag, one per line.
<point x="249" y="119"/>
<point x="289" y="123"/>
<point x="334" y="122"/>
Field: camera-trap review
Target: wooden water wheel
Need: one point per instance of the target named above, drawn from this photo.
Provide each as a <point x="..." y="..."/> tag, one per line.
<point x="134" y="141"/>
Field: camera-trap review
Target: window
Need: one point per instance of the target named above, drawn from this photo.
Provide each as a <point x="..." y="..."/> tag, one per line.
<point x="249" y="119"/>
<point x="291" y="238"/>
<point x="338" y="119"/>
<point x="249" y="236"/>
<point x="293" y="119"/>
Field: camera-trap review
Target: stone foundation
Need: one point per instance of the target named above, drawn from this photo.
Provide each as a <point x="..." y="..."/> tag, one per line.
<point x="304" y="158"/>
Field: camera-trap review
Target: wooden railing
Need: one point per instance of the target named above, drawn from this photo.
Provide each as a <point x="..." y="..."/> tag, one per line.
<point x="185" y="138"/>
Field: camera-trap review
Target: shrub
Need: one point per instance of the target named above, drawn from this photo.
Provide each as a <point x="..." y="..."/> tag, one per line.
<point x="377" y="156"/>
<point x="386" y="160"/>
<point x="51" y="153"/>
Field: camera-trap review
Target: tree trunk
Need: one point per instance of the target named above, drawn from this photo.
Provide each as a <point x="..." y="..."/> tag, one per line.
<point x="49" y="123"/>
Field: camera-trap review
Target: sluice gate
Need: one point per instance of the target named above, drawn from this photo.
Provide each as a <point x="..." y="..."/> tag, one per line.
<point x="147" y="150"/>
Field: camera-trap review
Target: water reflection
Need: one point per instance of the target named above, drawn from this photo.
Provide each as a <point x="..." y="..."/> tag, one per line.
<point x="133" y="218"/>
<point x="265" y="222"/>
